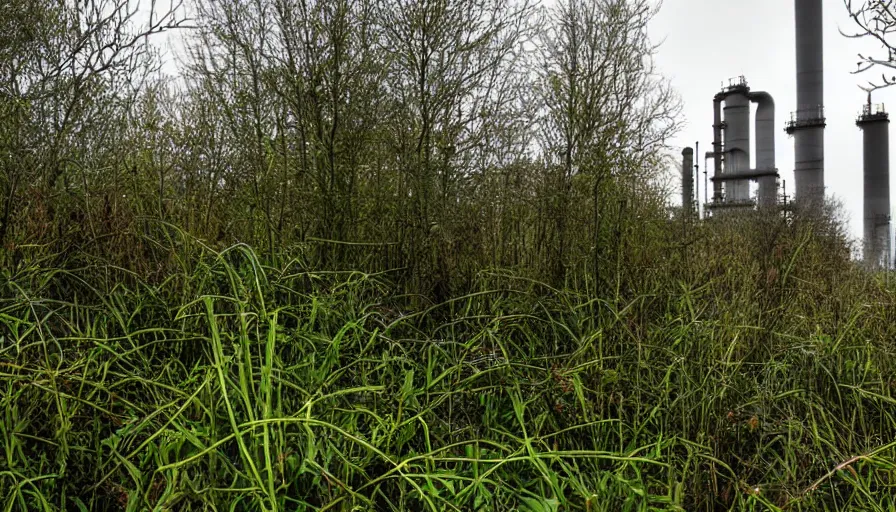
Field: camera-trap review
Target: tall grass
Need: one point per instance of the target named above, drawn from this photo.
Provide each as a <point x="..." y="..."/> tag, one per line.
<point x="221" y="383"/>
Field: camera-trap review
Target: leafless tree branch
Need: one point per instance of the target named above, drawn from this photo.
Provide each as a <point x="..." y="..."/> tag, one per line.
<point x="876" y="20"/>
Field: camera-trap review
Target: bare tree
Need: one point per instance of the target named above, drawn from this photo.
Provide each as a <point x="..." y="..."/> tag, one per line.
<point x="449" y="61"/>
<point x="876" y="20"/>
<point x="301" y="86"/>
<point x="329" y="74"/>
<point x="606" y="111"/>
<point x="62" y="65"/>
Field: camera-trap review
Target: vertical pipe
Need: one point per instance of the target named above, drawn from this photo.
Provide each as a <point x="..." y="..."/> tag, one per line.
<point x="706" y="157"/>
<point x="768" y="189"/>
<point x="687" y="180"/>
<point x="697" y="177"/>
<point x="808" y="126"/>
<point x="875" y="126"/>
<point x="765" y="147"/>
<point x="717" y="147"/>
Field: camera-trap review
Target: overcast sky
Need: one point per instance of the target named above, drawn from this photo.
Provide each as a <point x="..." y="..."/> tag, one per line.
<point x="707" y="41"/>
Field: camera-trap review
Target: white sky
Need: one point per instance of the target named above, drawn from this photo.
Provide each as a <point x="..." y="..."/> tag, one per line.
<point x="707" y="41"/>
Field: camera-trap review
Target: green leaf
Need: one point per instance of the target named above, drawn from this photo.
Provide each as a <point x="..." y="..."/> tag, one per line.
<point x="539" y="504"/>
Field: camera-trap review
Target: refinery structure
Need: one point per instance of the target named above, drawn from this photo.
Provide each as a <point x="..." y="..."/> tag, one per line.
<point x="733" y="174"/>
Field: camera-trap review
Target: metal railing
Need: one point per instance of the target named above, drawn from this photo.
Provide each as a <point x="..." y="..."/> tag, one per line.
<point x="872" y="112"/>
<point x="736" y="83"/>
<point x="873" y="109"/>
<point x="807" y="116"/>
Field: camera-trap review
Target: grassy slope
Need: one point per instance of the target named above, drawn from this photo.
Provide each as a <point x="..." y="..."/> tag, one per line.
<point x="227" y="385"/>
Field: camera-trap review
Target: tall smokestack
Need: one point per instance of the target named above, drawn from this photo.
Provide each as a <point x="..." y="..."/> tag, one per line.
<point x="687" y="180"/>
<point x="808" y="122"/>
<point x="875" y="125"/>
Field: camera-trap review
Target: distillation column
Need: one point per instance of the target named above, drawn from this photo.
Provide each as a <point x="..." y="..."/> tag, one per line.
<point x="731" y="147"/>
<point x="737" y="145"/>
<point x="808" y="122"/>
<point x="875" y="125"/>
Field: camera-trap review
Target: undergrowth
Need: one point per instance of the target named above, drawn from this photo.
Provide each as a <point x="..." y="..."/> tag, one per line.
<point x="228" y="384"/>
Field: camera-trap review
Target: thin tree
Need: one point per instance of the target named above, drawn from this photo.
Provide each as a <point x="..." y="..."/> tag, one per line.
<point x="447" y="60"/>
<point x="606" y="110"/>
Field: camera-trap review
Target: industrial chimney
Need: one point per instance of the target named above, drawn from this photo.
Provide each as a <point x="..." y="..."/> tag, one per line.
<point x="808" y="122"/>
<point x="875" y="125"/>
<point x="687" y="180"/>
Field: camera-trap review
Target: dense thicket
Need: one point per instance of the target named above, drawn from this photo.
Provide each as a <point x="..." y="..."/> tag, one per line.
<point x="404" y="255"/>
<point x="429" y="138"/>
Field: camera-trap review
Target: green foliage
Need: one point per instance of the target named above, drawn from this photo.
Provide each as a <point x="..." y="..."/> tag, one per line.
<point x="227" y="383"/>
<point x="375" y="256"/>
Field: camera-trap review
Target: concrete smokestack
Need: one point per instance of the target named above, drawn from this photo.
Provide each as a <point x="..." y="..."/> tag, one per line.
<point x="687" y="180"/>
<point x="808" y="122"/>
<point x="765" y="147"/>
<point x="875" y="125"/>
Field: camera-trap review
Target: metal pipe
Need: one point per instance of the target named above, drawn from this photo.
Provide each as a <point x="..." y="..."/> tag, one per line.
<point x="705" y="188"/>
<point x="706" y="157"/>
<point x="697" y="177"/>
<point x="687" y="180"/>
<point x="875" y="125"/>
<point x="765" y="146"/>
<point x="717" y="146"/>
<point x="807" y="126"/>
<point x="750" y="174"/>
